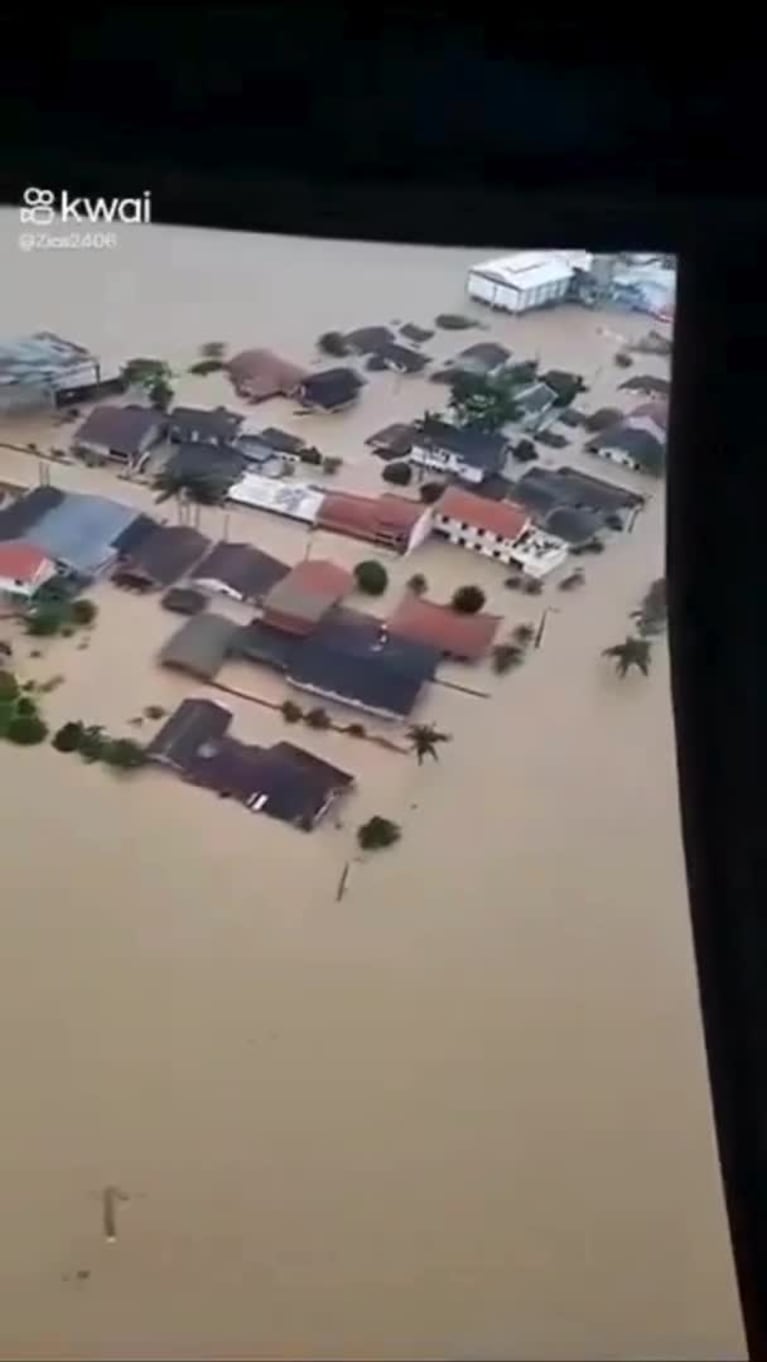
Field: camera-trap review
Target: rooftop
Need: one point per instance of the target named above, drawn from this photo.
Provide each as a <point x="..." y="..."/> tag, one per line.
<point x="80" y="531"/>
<point x="247" y="571"/>
<point x="194" y="722"/>
<point x="479" y="448"/>
<point x="21" y="562"/>
<point x="309" y="590"/>
<point x="372" y="518"/>
<point x="394" y="439"/>
<point x="331" y="387"/>
<point x="401" y="357"/>
<point x="505" y="519"/>
<point x="165" y="555"/>
<point x="200" y="646"/>
<point x="262" y="373"/>
<point x="295" y="500"/>
<point x="485" y="355"/>
<point x="205" y="424"/>
<point x="439" y="626"/>
<point x="367" y="339"/>
<point x="567" y="486"/>
<point x="122" y="429"/>
<point x="41" y="357"/>
<point x="526" y="269"/>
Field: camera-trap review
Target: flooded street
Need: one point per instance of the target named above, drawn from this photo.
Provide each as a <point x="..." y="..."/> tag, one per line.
<point x="464" y="1112"/>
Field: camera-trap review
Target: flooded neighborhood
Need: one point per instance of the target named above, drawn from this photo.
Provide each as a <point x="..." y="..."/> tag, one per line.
<point x="347" y="989"/>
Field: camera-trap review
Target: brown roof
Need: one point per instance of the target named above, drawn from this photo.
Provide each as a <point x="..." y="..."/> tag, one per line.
<point x="263" y="374"/>
<point x="165" y="555"/>
<point x="439" y="626"/>
<point x="503" y="518"/>
<point x="369" y="517"/>
<point x="310" y="589"/>
<point x="123" y="429"/>
<point x="656" y="411"/>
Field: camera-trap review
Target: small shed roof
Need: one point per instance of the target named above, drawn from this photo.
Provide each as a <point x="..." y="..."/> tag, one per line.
<point x="331" y="387"/>
<point x="264" y="374"/>
<point x="200" y="646"/>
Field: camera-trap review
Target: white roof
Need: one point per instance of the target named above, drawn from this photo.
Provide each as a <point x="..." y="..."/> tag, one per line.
<point x="296" y="500"/>
<point x="527" y="269"/>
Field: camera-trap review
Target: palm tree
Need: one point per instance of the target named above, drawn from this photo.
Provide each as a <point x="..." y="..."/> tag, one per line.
<point x="633" y="652"/>
<point x="423" y="739"/>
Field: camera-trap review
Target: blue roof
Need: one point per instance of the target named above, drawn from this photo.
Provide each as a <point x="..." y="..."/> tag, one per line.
<point x="82" y="531"/>
<point x="366" y="681"/>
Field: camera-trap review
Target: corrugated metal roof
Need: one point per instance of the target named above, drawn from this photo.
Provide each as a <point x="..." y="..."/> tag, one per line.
<point x="81" y="531"/>
<point x="526" y="269"/>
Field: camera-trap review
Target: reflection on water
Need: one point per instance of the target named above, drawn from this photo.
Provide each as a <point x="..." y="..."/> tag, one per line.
<point x="464" y="1111"/>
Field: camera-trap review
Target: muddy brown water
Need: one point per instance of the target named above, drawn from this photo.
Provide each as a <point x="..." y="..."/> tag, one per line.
<point x="463" y="1110"/>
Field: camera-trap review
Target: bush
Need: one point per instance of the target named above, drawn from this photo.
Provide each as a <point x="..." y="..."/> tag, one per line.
<point x="93" y="741"/>
<point x="378" y="832"/>
<point x="124" y="754"/>
<point x="318" y="718"/>
<point x="206" y="366"/>
<point x="69" y="737"/>
<point x="333" y="343"/>
<point x="532" y="586"/>
<point x="291" y="712"/>
<point x="399" y="473"/>
<point x="27" y="730"/>
<point x="418" y="584"/>
<point x="371" y="577"/>
<point x="468" y="600"/>
<point x="7" y="715"/>
<point x="9" y="687"/>
<point x="356" y="730"/>
<point x="430" y="492"/>
<point x="26" y="705"/>
<point x="311" y="456"/>
<point x="524" y="634"/>
<point x="83" y="611"/>
<point x="45" y="621"/>
<point x="623" y="361"/>
<point x="331" y="463"/>
<point x="67" y="631"/>
<point x="154" y="712"/>
<point x="525" y="452"/>
<point x="507" y="656"/>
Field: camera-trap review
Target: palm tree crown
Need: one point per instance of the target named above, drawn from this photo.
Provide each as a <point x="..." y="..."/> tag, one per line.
<point x="633" y="652"/>
<point x="424" y="739"/>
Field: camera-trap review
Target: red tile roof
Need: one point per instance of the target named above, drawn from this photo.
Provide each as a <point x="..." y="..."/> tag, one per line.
<point x="20" y="562"/>
<point x="503" y="518"/>
<point x="264" y="374"/>
<point x="321" y="577"/>
<point x="439" y="626"/>
<point x="369" y="517"/>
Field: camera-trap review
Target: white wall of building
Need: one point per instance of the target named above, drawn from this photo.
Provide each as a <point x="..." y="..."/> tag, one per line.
<point x="444" y="461"/>
<point x="22" y="591"/>
<point x="535" y="552"/>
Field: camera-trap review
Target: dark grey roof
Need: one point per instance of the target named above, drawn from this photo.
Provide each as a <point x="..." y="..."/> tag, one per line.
<point x="195" y="722"/>
<point x="135" y="534"/>
<point x="395" y="439"/>
<point x="201" y="424"/>
<point x="415" y="333"/>
<point x="573" y="525"/>
<point x="362" y="680"/>
<point x="400" y="357"/>
<point x="221" y="463"/>
<point x="353" y="635"/>
<point x="200" y="646"/>
<point x="647" y="383"/>
<point x="332" y="387"/>
<point x="283" y="781"/>
<point x="569" y="487"/>
<point x="483" y="355"/>
<point x="366" y="339"/>
<point x="247" y="570"/>
<point x="478" y="448"/>
<point x="282" y="440"/>
<point x="122" y="429"/>
<point x="183" y="600"/>
<point x="166" y="555"/>
<point x="538" y="397"/>
<point x="639" y="444"/>
<point x="258" y="642"/>
<point x="21" y="515"/>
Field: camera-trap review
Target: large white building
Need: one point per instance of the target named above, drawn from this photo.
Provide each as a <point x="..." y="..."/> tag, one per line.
<point x="498" y="529"/>
<point x="519" y="282"/>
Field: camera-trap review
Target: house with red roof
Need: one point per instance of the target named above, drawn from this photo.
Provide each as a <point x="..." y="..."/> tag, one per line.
<point x="455" y="635"/>
<point x="497" y="529"/>
<point x="391" y="521"/>
<point x="23" y="570"/>
<point x="299" y="601"/>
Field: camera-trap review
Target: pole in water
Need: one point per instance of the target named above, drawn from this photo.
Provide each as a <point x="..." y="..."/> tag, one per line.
<point x="109" y="1199"/>
<point x="342" y="883"/>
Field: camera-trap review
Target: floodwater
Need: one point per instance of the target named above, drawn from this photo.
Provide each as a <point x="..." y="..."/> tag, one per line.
<point x="462" y="1113"/>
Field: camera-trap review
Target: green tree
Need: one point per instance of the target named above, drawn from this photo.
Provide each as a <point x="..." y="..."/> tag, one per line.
<point x="46" y="620"/>
<point x="145" y="373"/>
<point x="633" y="652"/>
<point x="429" y="492"/>
<point x="378" y="832"/>
<point x="83" y="611"/>
<point x="356" y="730"/>
<point x="26" y="705"/>
<point x="9" y="686"/>
<point x="371" y="577"/>
<point x="69" y="737"/>
<point x="161" y="394"/>
<point x="291" y="712"/>
<point x="317" y="718"/>
<point x="331" y="463"/>
<point x="424" y="740"/>
<point x="418" y="584"/>
<point x="333" y="343"/>
<point x="399" y="473"/>
<point x="505" y="656"/>
<point x="93" y="741"/>
<point x="124" y="754"/>
<point x="652" y="615"/>
<point x="468" y="600"/>
<point x="27" y="730"/>
<point x="483" y="402"/>
<point x="524" y="634"/>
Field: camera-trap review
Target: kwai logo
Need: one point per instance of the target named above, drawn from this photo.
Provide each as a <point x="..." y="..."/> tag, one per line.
<point x="42" y="208"/>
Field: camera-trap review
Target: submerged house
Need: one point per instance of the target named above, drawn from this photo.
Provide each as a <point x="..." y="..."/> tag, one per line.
<point x="82" y="534"/>
<point x="23" y="570"/>
<point x="121" y="434"/>
<point x="632" y="446"/>
<point x="388" y="520"/>
<point x="188" y="425"/>
<point x="466" y="638"/>
<point x="201" y="646"/>
<point x="471" y="455"/>
<point x="305" y="596"/>
<point x="283" y="781"/>
<point x="353" y="660"/>
<point x="35" y="369"/>
<point x="257" y="375"/>
<point x="542" y="490"/>
<point x="535" y="404"/>
<point x="399" y="358"/>
<point x="527" y="279"/>
<point x="239" y="571"/>
<point x="497" y="529"/>
<point x="331" y="389"/>
<point x="486" y="357"/>
<point x="161" y="558"/>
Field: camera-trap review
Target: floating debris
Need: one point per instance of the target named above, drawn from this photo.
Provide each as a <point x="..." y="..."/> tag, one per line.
<point x="453" y="321"/>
